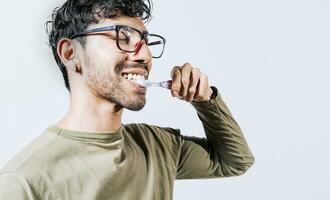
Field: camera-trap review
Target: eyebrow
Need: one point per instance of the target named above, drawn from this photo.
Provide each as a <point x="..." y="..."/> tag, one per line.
<point x="142" y="31"/>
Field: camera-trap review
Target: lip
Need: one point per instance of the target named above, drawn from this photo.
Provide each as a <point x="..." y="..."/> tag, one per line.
<point x="136" y="87"/>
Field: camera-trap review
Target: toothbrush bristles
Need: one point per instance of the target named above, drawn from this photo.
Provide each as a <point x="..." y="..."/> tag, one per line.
<point x="148" y="83"/>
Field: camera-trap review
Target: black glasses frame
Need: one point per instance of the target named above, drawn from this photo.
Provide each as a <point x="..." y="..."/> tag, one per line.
<point x="143" y="36"/>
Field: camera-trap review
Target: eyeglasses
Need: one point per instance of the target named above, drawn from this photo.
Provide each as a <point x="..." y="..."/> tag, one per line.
<point x="129" y="39"/>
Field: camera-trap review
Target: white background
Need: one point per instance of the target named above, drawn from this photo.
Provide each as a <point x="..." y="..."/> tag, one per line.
<point x="269" y="59"/>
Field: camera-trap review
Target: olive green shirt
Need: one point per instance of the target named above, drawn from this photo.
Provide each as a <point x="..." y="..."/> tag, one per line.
<point x="137" y="162"/>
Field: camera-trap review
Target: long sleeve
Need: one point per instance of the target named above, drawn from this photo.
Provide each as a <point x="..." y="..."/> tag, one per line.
<point x="224" y="152"/>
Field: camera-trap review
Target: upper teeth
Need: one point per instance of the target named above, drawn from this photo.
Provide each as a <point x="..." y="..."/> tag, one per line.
<point x="134" y="76"/>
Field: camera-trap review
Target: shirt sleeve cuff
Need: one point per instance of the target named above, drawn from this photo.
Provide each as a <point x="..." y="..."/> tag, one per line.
<point x="215" y="95"/>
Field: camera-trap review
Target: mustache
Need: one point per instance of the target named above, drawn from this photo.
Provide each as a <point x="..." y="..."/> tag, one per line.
<point x="121" y="66"/>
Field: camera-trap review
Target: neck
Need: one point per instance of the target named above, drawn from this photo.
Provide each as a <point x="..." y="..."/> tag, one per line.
<point x="89" y="113"/>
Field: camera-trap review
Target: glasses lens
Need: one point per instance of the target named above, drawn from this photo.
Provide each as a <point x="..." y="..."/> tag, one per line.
<point x="156" y="45"/>
<point x="128" y="38"/>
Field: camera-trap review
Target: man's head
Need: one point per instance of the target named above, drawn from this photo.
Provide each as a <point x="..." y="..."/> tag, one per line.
<point x="89" y="37"/>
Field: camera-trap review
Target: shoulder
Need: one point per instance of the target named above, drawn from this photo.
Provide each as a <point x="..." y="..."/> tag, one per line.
<point x="163" y="143"/>
<point x="12" y="186"/>
<point x="33" y="155"/>
<point x="148" y="130"/>
<point x="153" y="134"/>
<point x="151" y="128"/>
<point x="27" y="167"/>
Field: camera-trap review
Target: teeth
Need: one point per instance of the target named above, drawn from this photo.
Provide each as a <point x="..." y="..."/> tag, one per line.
<point x="130" y="76"/>
<point x="134" y="76"/>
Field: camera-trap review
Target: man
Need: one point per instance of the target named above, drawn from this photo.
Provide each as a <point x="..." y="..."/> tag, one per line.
<point x="102" y="47"/>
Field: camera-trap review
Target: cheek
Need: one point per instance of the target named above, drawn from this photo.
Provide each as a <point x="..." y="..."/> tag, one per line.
<point x="101" y="49"/>
<point x="97" y="71"/>
<point x="102" y="57"/>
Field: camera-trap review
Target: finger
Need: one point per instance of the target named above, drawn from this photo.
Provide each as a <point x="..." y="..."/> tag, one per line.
<point x="176" y="81"/>
<point x="173" y="70"/>
<point x="197" y="89"/>
<point x="202" y="87"/>
<point x="185" y="79"/>
<point x="194" y="79"/>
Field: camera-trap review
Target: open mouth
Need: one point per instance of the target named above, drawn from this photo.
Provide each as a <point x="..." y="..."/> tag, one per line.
<point x="134" y="77"/>
<point x="136" y="80"/>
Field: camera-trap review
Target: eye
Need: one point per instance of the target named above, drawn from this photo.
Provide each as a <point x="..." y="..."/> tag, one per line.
<point x="124" y="36"/>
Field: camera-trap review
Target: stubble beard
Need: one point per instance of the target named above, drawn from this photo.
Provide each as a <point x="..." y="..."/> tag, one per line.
<point x="110" y="86"/>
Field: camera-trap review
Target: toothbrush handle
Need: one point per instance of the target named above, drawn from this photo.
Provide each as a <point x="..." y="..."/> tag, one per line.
<point x="165" y="84"/>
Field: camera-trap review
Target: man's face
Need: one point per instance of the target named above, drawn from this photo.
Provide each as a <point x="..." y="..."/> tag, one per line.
<point x="106" y="66"/>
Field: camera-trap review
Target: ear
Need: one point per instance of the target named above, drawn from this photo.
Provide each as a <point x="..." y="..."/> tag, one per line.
<point x="67" y="51"/>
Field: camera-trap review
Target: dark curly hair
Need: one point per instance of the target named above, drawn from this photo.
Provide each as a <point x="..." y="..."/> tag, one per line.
<point x="74" y="16"/>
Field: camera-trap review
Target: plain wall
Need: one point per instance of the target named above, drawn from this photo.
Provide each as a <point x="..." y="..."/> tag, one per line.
<point x="269" y="60"/>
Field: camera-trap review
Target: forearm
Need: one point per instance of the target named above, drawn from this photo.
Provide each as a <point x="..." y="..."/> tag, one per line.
<point x="224" y="135"/>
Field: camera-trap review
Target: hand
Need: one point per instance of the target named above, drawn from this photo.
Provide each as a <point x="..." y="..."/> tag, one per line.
<point x="190" y="84"/>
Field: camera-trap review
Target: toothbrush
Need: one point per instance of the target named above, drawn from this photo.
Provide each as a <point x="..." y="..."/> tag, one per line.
<point x="148" y="83"/>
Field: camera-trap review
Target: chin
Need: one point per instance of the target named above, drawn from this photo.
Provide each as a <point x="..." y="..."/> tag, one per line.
<point x="122" y="99"/>
<point x="135" y="106"/>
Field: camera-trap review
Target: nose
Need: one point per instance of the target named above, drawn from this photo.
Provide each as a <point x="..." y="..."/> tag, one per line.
<point x="142" y="52"/>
